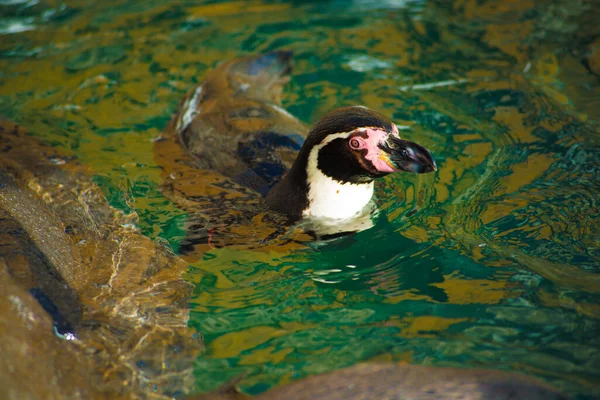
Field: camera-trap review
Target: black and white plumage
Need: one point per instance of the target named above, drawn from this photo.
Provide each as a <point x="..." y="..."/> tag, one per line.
<point x="232" y="124"/>
<point x="343" y="154"/>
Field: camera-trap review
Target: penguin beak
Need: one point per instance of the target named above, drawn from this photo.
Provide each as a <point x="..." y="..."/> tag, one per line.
<point x="406" y="156"/>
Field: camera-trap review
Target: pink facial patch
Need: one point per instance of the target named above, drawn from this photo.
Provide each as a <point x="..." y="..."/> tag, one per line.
<point x="374" y="137"/>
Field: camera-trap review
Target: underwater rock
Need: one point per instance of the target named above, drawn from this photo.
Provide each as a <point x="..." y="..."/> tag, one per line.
<point x="118" y="296"/>
<point x="397" y="382"/>
<point x="31" y="351"/>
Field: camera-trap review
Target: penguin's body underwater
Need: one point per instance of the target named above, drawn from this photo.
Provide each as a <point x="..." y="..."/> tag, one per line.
<point x="232" y="124"/>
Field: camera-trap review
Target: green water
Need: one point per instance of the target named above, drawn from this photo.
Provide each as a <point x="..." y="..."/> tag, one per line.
<point x="493" y="261"/>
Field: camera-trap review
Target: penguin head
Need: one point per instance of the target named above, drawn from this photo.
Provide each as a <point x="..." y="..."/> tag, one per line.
<point x="357" y="145"/>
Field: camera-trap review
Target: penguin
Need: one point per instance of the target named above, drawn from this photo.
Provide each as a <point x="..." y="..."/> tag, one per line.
<point x="333" y="175"/>
<point x="233" y="125"/>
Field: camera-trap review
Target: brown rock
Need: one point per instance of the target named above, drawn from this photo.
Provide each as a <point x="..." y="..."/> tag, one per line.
<point x="401" y="382"/>
<point x="119" y="293"/>
<point x="35" y="364"/>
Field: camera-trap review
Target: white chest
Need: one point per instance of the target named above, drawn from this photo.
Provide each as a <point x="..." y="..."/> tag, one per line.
<point x="328" y="198"/>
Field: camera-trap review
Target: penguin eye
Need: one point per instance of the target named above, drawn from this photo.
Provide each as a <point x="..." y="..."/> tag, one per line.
<point x="355" y="143"/>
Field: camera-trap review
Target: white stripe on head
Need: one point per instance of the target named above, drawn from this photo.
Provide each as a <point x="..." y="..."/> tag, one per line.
<point x="328" y="198"/>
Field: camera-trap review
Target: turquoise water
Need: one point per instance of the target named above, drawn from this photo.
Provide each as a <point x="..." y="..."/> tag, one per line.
<point x="492" y="262"/>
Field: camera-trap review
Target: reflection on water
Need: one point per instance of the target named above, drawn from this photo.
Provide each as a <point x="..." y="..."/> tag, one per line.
<point x="493" y="261"/>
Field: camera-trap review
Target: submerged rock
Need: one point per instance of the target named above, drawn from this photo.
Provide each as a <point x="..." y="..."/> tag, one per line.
<point x="403" y="382"/>
<point x="35" y="364"/>
<point x="116" y="295"/>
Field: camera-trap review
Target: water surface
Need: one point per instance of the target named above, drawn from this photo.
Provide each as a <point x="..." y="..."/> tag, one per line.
<point x="493" y="261"/>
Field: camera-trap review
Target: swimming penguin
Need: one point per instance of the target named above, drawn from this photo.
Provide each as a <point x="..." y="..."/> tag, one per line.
<point x="345" y="151"/>
<point x="232" y="124"/>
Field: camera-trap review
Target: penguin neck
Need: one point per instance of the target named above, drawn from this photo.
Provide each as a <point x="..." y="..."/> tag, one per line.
<point x="305" y="191"/>
<point x="290" y="195"/>
<point x="329" y="198"/>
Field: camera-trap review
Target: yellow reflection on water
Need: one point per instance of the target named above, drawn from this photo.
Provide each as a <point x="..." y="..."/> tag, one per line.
<point x="474" y="291"/>
<point x="428" y="326"/>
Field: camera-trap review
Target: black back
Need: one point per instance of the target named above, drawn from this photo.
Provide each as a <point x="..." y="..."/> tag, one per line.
<point x="265" y="169"/>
